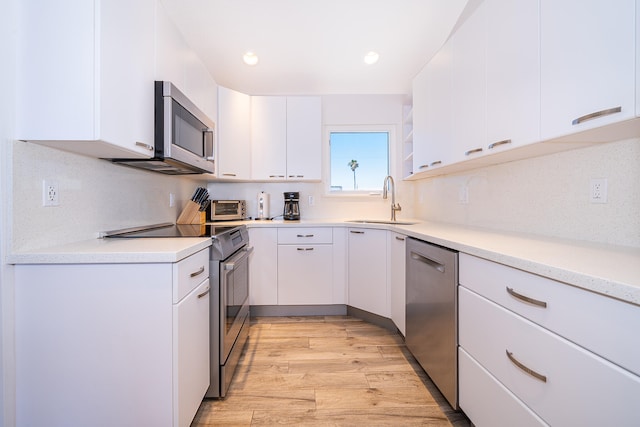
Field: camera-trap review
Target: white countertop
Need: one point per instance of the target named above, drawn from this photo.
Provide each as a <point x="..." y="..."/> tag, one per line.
<point x="605" y="269"/>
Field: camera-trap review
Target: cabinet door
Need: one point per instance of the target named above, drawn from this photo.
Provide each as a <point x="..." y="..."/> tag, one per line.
<point x="513" y="73"/>
<point x="263" y="266"/>
<point x="268" y="137"/>
<point x="305" y="274"/>
<point x="190" y="354"/>
<point x="368" y="270"/>
<point x="433" y="113"/>
<point x="469" y="86"/>
<point x="234" y="134"/>
<point x="587" y="64"/>
<point x="397" y="266"/>
<point x="85" y="80"/>
<point x="304" y="138"/>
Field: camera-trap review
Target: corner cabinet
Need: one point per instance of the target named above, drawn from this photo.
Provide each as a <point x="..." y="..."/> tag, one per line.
<point x="133" y="335"/>
<point x="367" y="275"/>
<point x="234" y="135"/>
<point x="85" y="76"/>
<point x="286" y="138"/>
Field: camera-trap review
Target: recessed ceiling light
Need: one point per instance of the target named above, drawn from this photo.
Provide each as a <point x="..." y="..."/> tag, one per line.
<point x="250" y="58"/>
<point x="371" y="58"/>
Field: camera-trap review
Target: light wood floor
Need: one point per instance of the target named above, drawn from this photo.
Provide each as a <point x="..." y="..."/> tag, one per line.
<point x="327" y="371"/>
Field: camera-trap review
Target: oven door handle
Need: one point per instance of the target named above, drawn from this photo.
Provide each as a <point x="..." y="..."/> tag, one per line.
<point x="231" y="264"/>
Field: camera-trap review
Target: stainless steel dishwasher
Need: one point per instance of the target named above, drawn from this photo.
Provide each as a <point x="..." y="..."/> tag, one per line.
<point x="431" y="313"/>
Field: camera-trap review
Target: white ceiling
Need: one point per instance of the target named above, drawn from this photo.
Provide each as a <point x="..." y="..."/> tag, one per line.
<point x="315" y="46"/>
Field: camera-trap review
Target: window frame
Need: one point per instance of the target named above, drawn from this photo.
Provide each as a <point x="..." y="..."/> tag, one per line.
<point x="328" y="129"/>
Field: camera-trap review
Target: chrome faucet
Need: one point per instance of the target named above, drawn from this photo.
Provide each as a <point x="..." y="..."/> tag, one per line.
<point x="388" y="183"/>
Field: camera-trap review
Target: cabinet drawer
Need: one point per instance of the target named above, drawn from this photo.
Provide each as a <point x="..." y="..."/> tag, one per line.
<point x="189" y="273"/>
<point x="573" y="387"/>
<point x="298" y="236"/>
<point x="487" y="402"/>
<point x="600" y="324"/>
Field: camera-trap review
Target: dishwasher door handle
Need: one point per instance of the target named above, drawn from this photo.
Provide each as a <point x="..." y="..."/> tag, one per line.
<point x="430" y="262"/>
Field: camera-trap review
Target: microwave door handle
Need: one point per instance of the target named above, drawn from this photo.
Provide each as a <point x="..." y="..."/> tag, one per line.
<point x="209" y="136"/>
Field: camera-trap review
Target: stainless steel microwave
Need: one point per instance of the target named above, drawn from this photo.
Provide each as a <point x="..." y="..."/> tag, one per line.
<point x="184" y="136"/>
<point x="226" y="210"/>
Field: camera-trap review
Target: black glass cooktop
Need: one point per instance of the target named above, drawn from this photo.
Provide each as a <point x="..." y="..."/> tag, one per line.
<point x="174" y="230"/>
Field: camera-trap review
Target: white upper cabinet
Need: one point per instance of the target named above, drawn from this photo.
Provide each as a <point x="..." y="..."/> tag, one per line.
<point x="286" y="138"/>
<point x="469" y="86"/>
<point x="587" y="64"/>
<point x="268" y="137"/>
<point x="234" y="135"/>
<point x="512" y="73"/>
<point x="85" y="79"/>
<point x="433" y="113"/>
<point x="304" y="137"/>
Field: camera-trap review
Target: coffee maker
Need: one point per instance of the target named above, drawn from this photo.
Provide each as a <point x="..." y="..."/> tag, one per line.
<point x="291" y="206"/>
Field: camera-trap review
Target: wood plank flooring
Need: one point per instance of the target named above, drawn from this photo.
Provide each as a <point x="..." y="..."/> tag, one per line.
<point x="327" y="371"/>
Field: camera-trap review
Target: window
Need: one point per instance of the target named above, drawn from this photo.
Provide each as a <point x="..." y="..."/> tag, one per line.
<point x="359" y="159"/>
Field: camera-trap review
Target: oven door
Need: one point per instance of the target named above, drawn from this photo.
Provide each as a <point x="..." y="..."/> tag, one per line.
<point x="234" y="299"/>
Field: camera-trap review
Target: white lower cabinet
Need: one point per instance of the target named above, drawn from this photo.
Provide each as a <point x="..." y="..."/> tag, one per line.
<point x="263" y="266"/>
<point x="397" y="269"/>
<point x="111" y="344"/>
<point x="305" y="266"/>
<point x="367" y="275"/>
<point x="562" y="383"/>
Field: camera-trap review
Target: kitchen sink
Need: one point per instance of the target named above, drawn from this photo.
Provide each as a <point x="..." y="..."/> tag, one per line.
<point x="380" y="221"/>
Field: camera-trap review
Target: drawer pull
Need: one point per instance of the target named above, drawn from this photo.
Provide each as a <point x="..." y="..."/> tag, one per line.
<point x="304" y="235"/>
<point x="228" y="174"/>
<point x="524" y="298"/>
<point x="356" y="232"/>
<point x="436" y="163"/>
<point x="400" y="238"/>
<point x="470" y="152"/>
<point x="305" y="249"/>
<point x="197" y="273"/>
<point x="596" y="115"/>
<point x="497" y="144"/>
<point x="145" y="146"/>
<point x="204" y="293"/>
<point x="524" y="368"/>
<point x="423" y="166"/>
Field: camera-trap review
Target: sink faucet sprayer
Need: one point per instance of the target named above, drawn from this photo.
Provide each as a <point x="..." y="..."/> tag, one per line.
<point x="388" y="182"/>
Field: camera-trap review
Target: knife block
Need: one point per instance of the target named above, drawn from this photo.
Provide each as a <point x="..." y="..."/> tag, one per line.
<point x="191" y="214"/>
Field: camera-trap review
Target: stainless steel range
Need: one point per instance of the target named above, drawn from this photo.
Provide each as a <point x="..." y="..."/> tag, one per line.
<point x="229" y="280"/>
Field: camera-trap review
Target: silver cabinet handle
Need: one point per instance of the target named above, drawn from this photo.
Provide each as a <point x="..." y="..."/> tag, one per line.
<point x="356" y="232"/>
<point x="595" y="115"/>
<point x="228" y="174"/>
<point x="475" y="150"/>
<point x="276" y="176"/>
<point x="436" y="163"/>
<point x="526" y="369"/>
<point x="400" y="238"/>
<point x="197" y="273"/>
<point x="204" y="293"/>
<point x="423" y="166"/>
<point x="304" y="235"/>
<point x="497" y="144"/>
<point x="525" y="298"/>
<point x="305" y="249"/>
<point x="296" y="176"/>
<point x="143" y="145"/>
<point x="428" y="261"/>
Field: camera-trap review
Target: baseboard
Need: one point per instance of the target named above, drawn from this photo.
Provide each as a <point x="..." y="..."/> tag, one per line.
<point x="298" y="310"/>
<point x="383" y="322"/>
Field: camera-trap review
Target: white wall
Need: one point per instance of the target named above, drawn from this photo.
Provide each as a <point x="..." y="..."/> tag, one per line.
<point x="337" y="110"/>
<point x="547" y="195"/>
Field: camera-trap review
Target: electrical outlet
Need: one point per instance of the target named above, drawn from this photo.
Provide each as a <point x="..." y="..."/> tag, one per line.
<point x="50" y="193"/>
<point x="311" y="201"/>
<point x="598" y="193"/>
<point x="463" y="195"/>
<point x="172" y="200"/>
